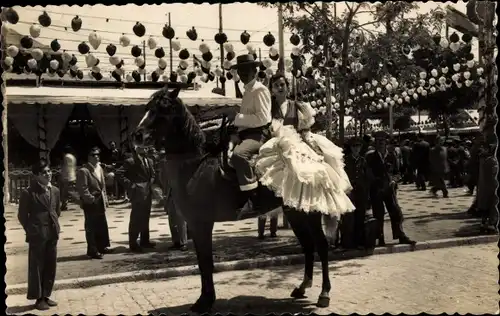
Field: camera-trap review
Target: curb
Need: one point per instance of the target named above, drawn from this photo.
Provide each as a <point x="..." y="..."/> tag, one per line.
<point x="248" y="264"/>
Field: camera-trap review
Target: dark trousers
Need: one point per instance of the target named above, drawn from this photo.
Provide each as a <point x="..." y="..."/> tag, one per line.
<point x="178" y="226"/>
<point x="242" y="156"/>
<point x="96" y="229"/>
<point x="438" y="184"/>
<point x="421" y="178"/>
<point x="262" y="225"/>
<point x="139" y="221"/>
<point x="65" y="187"/>
<point x="42" y="261"/>
<point x="389" y="199"/>
<point x="407" y="172"/>
<point x="455" y="176"/>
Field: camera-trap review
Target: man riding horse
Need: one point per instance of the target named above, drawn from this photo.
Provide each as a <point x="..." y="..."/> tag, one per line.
<point x="252" y="122"/>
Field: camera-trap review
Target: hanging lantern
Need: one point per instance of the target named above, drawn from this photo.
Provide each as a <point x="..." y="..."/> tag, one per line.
<point x="407" y="99"/>
<point x="12" y="51"/>
<point x="111" y="49"/>
<point x="124" y="40"/>
<point x="32" y="64"/>
<point x="228" y="47"/>
<point x="8" y="62"/>
<point x="244" y="37"/>
<point x="183" y="78"/>
<point x="269" y="39"/>
<point x="96" y="69"/>
<point x="76" y="23"/>
<point x="480" y="71"/>
<point x="207" y="56"/>
<point x="136" y="76"/>
<point x="192" y="34"/>
<point x="162" y="64"/>
<point x="459" y="84"/>
<point x="423" y="75"/>
<point x="443" y="43"/>
<point x="470" y="63"/>
<point x="26" y="42"/>
<point x="35" y="30"/>
<point x="220" y="38"/>
<point x="139" y="29"/>
<point x="468" y="83"/>
<point x="55" y="46"/>
<point x="267" y="63"/>
<point x="159" y="52"/>
<point x="54" y="64"/>
<point x="184" y="54"/>
<point x="456" y="67"/>
<point x="152" y="42"/>
<point x="44" y="19"/>
<point x="183" y="64"/>
<point x="204" y="47"/>
<point x="139" y="61"/>
<point x="454" y="38"/>
<point x="90" y="60"/>
<point x="296" y="51"/>
<point x="10" y="15"/>
<point x="176" y="45"/>
<point x="114" y="60"/>
<point x="444" y="70"/>
<point x="379" y="90"/>
<point x="66" y="57"/>
<point x="454" y="46"/>
<point x="434" y="72"/>
<point x="415" y="96"/>
<point x="250" y="48"/>
<point x="168" y="32"/>
<point x="136" y="51"/>
<point x="295" y="39"/>
<point x="95" y="40"/>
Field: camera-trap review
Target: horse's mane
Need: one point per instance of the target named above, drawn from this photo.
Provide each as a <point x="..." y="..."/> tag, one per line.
<point x="185" y="135"/>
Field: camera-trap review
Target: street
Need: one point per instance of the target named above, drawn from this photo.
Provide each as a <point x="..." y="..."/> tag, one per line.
<point x="454" y="280"/>
<point x="426" y="219"/>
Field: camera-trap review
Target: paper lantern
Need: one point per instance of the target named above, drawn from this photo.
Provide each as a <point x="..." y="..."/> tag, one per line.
<point x="269" y="72"/>
<point x="227" y="64"/>
<point x="139" y="61"/>
<point x="183" y="64"/>
<point x="184" y="54"/>
<point x="54" y="64"/>
<point x="433" y="89"/>
<point x="434" y="72"/>
<point x="228" y="47"/>
<point x="374" y="83"/>
<point x="139" y="29"/>
<point x="371" y="93"/>
<point x="470" y="63"/>
<point x="467" y="75"/>
<point x="204" y="48"/>
<point x="32" y="64"/>
<point x="96" y="69"/>
<point x="443" y="43"/>
<point x="44" y="19"/>
<point x="124" y="40"/>
<point x="35" y="30"/>
<point x="379" y="90"/>
<point x="407" y="99"/>
<point x="162" y="63"/>
<point x="444" y="70"/>
<point x="454" y="47"/>
<point x="250" y="48"/>
<point x="400" y="101"/>
<point x="76" y="23"/>
<point x="421" y="82"/>
<point x="273" y="51"/>
<point x="129" y="78"/>
<point x="352" y="92"/>
<point x="424" y="92"/>
<point x="455" y="77"/>
<point x="184" y="78"/>
<point x="432" y="81"/>
<point x="12" y="51"/>
<point x="288" y="63"/>
<point x="388" y="87"/>
<point x="392" y="103"/>
<point x="218" y="72"/>
<point x="176" y="45"/>
<point x="91" y="60"/>
<point x="192" y="34"/>
<point x="404" y="94"/>
<point x="415" y="96"/>
<point x="8" y="61"/>
<point x="459" y="85"/>
<point x="456" y="67"/>
<point x="480" y="71"/>
<point x="468" y="83"/>
<point x="95" y="40"/>
<point x="267" y="62"/>
<point x="244" y="37"/>
<point x="349" y="101"/>
<point x="114" y="60"/>
<point x="37" y="54"/>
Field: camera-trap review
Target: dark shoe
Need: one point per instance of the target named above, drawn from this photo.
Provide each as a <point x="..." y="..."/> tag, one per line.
<point x="405" y="240"/>
<point x="148" y="245"/>
<point x="381" y="243"/>
<point x="183" y="248"/>
<point x="94" y="255"/>
<point x="41" y="305"/>
<point x="273" y="235"/>
<point x="106" y="251"/>
<point x="261" y="237"/>
<point x="136" y="249"/>
<point x="50" y="302"/>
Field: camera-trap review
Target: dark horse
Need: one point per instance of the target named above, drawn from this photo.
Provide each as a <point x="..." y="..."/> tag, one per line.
<point x="204" y="196"/>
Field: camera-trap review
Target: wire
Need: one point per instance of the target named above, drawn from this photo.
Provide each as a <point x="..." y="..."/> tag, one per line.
<point x="134" y="21"/>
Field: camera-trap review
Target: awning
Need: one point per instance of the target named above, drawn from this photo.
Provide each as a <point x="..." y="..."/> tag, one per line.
<point x="108" y="96"/>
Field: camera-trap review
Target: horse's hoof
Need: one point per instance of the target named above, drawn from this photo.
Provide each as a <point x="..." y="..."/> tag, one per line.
<point x="323" y="302"/>
<point x="298" y="293"/>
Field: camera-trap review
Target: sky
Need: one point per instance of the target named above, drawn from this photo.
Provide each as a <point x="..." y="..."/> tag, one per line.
<point x="237" y="17"/>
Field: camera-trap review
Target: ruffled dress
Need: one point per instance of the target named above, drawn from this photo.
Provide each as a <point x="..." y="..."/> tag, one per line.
<point x="307" y="179"/>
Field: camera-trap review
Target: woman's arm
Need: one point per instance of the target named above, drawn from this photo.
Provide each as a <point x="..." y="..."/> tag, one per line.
<point x="306" y="116"/>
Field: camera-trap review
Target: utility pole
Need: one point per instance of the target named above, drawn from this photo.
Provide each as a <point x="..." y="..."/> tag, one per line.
<point x="170" y="45"/>
<point x="144" y="55"/>
<point x="281" y="40"/>
<point x="6" y="192"/>
<point x="326" y="46"/>
<point x="223" y="84"/>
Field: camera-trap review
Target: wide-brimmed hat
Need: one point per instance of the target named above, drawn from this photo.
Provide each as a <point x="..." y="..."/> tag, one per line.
<point x="245" y="61"/>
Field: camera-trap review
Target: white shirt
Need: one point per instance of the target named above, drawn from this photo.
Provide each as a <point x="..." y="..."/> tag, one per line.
<point x="255" y="108"/>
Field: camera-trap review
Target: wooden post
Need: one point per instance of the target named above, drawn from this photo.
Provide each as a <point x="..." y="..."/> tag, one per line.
<point x="329" y="116"/>
<point x="170" y="46"/>
<point x="5" y="143"/>
<point x="281" y="61"/>
<point x="144" y="55"/>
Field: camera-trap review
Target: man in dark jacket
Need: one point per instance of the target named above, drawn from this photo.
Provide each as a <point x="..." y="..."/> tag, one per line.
<point x="352" y="227"/>
<point x="406" y="169"/>
<point x="454" y="163"/>
<point x="421" y="161"/>
<point x="137" y="175"/>
<point x="39" y="211"/>
<point x="382" y="190"/>
<point x="439" y="167"/>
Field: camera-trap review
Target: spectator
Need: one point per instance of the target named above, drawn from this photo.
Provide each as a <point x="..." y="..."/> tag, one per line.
<point x="420" y="159"/>
<point x="39" y="211"/>
<point x="273" y="225"/>
<point x="486" y="189"/>
<point x="439" y="167"/>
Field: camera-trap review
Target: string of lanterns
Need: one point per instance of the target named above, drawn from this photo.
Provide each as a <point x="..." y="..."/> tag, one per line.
<point x="54" y="62"/>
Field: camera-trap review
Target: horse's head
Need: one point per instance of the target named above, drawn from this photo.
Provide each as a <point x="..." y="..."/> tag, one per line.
<point x="168" y="123"/>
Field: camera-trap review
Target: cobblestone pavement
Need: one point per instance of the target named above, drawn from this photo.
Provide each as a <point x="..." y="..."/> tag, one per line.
<point x="453" y="280"/>
<point x="426" y="219"/>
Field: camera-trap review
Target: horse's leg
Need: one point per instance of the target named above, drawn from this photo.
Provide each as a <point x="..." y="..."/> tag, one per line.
<point x="298" y="222"/>
<point x="201" y="234"/>
<point x="321" y="245"/>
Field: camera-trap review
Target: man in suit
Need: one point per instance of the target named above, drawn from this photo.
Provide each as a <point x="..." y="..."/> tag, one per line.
<point x="92" y="189"/>
<point x="439" y="167"/>
<point x="405" y="166"/>
<point x="178" y="226"/>
<point x="137" y="175"/>
<point x="454" y="163"/>
<point x="382" y="190"/>
<point x="421" y="159"/>
<point x="39" y="211"/>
